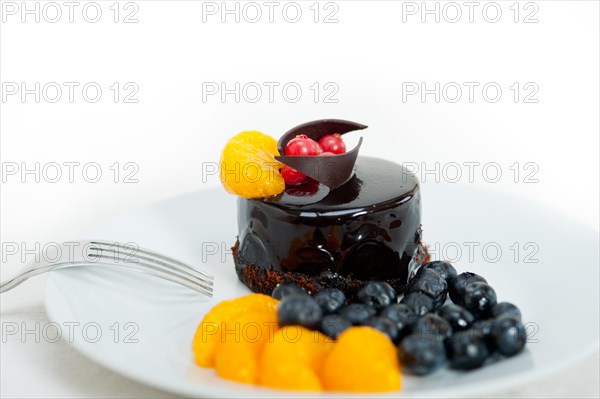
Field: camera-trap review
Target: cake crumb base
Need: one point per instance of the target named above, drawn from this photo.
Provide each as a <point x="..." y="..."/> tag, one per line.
<point x="263" y="280"/>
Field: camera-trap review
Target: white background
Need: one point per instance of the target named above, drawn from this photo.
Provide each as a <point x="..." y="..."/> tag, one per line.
<point x="370" y="56"/>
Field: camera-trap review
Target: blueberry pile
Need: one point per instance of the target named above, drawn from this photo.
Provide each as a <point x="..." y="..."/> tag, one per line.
<point x="465" y="331"/>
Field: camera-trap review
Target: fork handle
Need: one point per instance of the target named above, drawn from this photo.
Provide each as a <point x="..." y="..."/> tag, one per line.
<point x="17" y="280"/>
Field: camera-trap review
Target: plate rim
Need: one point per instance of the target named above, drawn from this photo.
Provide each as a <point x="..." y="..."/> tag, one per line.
<point x="237" y="389"/>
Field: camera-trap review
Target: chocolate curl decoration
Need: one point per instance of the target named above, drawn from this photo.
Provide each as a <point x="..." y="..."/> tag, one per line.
<point x="333" y="170"/>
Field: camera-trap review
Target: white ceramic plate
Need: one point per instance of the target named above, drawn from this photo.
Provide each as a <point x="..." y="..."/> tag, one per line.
<point x="559" y="295"/>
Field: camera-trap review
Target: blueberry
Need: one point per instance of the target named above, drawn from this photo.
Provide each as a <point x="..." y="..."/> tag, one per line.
<point x="430" y="283"/>
<point x="402" y="315"/>
<point x="511" y="335"/>
<point x="333" y="325"/>
<point x="285" y="289"/>
<point x="421" y="354"/>
<point x="433" y="325"/>
<point x="378" y="294"/>
<point x="418" y="302"/>
<point x="301" y="310"/>
<point x="489" y="331"/>
<point x="458" y="317"/>
<point x="467" y="350"/>
<point x="445" y="269"/>
<point x="331" y="300"/>
<point x="479" y="298"/>
<point x="457" y="285"/>
<point x="384" y="325"/>
<point x="505" y="309"/>
<point x="358" y="313"/>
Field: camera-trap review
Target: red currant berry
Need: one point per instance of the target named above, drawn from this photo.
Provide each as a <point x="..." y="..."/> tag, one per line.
<point x="291" y="176"/>
<point x="333" y="143"/>
<point x="302" y="145"/>
<point x="327" y="154"/>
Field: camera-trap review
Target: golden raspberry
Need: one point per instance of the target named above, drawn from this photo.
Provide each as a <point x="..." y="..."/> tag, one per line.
<point x="248" y="166"/>
<point x="294" y="344"/>
<point x="253" y="330"/>
<point x="237" y="362"/>
<point x="290" y="375"/>
<point x="363" y="360"/>
<point x="240" y="344"/>
<point x="208" y="333"/>
<point x="253" y="303"/>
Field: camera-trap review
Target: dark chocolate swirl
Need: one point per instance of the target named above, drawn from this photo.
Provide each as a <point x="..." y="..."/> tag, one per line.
<point x="332" y="171"/>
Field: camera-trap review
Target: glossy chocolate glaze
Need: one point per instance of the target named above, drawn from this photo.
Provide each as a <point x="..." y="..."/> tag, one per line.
<point x="369" y="228"/>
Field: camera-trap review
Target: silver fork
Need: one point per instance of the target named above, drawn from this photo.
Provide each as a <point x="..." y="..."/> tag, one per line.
<point x="113" y="254"/>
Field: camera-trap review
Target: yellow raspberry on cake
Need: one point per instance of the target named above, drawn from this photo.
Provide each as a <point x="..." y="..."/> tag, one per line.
<point x="248" y="166"/>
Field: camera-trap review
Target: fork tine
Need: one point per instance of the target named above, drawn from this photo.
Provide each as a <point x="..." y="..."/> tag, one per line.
<point x="163" y="260"/>
<point x="197" y="284"/>
<point x="154" y="255"/>
<point x="117" y="258"/>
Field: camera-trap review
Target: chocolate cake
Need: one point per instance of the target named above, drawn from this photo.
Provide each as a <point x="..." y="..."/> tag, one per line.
<point x="317" y="236"/>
